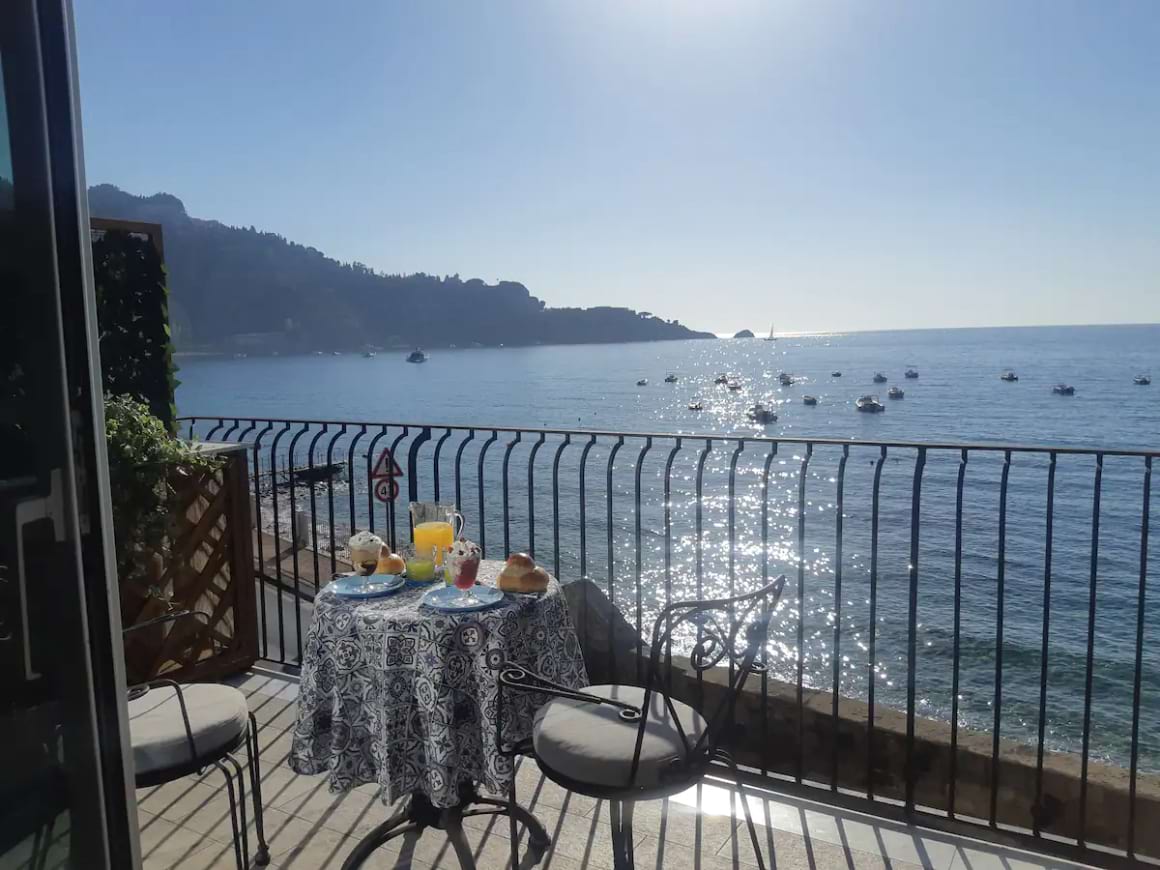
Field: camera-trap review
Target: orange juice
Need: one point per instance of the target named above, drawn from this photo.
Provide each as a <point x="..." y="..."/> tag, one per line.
<point x="439" y="535"/>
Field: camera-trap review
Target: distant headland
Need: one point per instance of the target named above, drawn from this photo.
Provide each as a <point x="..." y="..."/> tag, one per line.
<point x="234" y="289"/>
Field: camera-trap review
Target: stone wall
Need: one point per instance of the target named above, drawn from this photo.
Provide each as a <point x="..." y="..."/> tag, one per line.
<point x="768" y="730"/>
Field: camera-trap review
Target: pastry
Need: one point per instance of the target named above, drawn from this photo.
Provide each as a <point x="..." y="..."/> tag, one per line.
<point x="521" y="574"/>
<point x="390" y="563"/>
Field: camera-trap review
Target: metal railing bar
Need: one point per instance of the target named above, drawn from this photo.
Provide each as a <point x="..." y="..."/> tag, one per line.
<point x="873" y="623"/>
<point x="532" y="495"/>
<point x="837" y="653"/>
<point x="953" y="775"/>
<point x="1049" y="535"/>
<point x="1091" y="647"/>
<point x="1000" y="602"/>
<point x="507" y="455"/>
<point x="1136" y="680"/>
<point x="799" y="764"/>
<point x="479" y="476"/>
<point x="977" y="446"/>
<point x="639" y="555"/>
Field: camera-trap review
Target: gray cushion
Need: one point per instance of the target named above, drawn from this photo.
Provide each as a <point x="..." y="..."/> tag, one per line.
<point x="218" y="716"/>
<point x="591" y="744"/>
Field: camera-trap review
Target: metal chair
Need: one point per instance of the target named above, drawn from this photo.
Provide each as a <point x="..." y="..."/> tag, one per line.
<point x="625" y="744"/>
<point x="178" y="730"/>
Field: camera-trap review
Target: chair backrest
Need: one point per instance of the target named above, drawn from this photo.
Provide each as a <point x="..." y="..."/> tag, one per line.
<point x="717" y="623"/>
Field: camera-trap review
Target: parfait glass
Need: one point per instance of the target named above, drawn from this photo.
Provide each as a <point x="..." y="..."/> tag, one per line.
<point x="462" y="569"/>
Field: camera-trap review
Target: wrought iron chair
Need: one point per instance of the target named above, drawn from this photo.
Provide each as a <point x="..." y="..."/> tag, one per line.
<point x="626" y="744"/>
<point x="178" y="730"/>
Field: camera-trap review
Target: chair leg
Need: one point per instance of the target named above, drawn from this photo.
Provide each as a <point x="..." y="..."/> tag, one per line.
<point x="262" y="856"/>
<point x="233" y="814"/>
<point x="620" y="815"/>
<point x="512" y="821"/>
<point x="748" y="814"/>
<point x="242" y="821"/>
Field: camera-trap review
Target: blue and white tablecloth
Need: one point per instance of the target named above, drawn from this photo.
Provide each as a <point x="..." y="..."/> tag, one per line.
<point x="396" y="694"/>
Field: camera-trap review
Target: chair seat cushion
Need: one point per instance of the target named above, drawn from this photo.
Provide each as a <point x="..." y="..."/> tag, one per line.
<point x="590" y="743"/>
<point x="218" y="717"/>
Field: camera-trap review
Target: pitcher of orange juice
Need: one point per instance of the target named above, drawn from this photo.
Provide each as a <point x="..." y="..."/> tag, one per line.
<point x="435" y="525"/>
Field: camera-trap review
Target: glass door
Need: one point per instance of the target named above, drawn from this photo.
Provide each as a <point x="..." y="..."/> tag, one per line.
<point x="64" y="789"/>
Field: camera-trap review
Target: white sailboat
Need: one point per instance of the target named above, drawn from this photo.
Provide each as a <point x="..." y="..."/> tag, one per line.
<point x="770" y="336"/>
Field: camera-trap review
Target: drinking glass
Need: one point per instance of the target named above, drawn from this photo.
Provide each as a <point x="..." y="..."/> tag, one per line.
<point x="420" y="563"/>
<point x="461" y="570"/>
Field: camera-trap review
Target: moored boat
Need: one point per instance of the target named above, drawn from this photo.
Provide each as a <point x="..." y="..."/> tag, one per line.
<point x="1009" y="376"/>
<point x="896" y="393"/>
<point x="643" y="382"/>
<point x="835" y="374"/>
<point x="670" y="378"/>
<point x="1063" y="390"/>
<point x="809" y="400"/>
<point x="734" y="385"/>
<point x="417" y="356"/>
<point x="761" y="414"/>
<point x="869" y="404"/>
<point x="879" y="378"/>
<point x="785" y="379"/>
<point x="912" y="373"/>
<point x="721" y="379"/>
<point x="696" y="405"/>
<point x="1142" y="380"/>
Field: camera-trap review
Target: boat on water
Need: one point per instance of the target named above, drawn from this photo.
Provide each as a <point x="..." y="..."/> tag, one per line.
<point x="336" y="353"/>
<point x="1063" y="390"/>
<point x="696" y="405"/>
<point x="1142" y="380"/>
<point x="643" y="382"/>
<point x="879" y="378"/>
<point x="761" y="414"/>
<point x="417" y="356"/>
<point x="368" y="354"/>
<point x="912" y="373"/>
<point x="809" y="400"/>
<point x="670" y="378"/>
<point x="721" y="379"/>
<point x="786" y="380"/>
<point x="734" y="385"/>
<point x="770" y="336"/>
<point x="896" y="393"/>
<point x="835" y="374"/>
<point x="869" y="404"/>
<point x="1009" y="376"/>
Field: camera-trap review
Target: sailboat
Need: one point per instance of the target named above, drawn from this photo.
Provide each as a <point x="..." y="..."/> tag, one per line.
<point x="770" y="336"/>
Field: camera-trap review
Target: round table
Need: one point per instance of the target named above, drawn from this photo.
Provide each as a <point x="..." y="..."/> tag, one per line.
<point x="397" y="694"/>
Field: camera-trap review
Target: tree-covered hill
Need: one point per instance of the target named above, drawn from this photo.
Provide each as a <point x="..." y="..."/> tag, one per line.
<point x="233" y="288"/>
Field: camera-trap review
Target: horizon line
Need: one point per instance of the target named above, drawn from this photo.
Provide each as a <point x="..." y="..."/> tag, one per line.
<point x="818" y="332"/>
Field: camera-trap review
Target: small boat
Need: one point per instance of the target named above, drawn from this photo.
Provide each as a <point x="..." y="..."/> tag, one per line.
<point x="835" y="374"/>
<point x="696" y="405"/>
<point x="643" y="382"/>
<point x="879" y="378"/>
<point x="895" y="393"/>
<point x="734" y="385"/>
<point x="809" y="400"/>
<point x="336" y="353"/>
<point x="417" y="356"/>
<point x="761" y="414"/>
<point x="1063" y="390"/>
<point x="770" y="336"/>
<point x="721" y="379"/>
<point x="869" y="404"/>
<point x="786" y="380"/>
<point x="369" y="354"/>
<point x="670" y="378"/>
<point x="1142" y="380"/>
<point x="912" y="373"/>
<point x="1009" y="376"/>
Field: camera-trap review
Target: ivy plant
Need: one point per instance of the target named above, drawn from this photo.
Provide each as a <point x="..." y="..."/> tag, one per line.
<point x="144" y="462"/>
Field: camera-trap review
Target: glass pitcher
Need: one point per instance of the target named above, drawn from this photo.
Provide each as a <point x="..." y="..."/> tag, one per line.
<point x="437" y="525"/>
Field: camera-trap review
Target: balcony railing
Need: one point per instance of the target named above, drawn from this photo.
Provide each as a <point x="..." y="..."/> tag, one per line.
<point x="967" y="627"/>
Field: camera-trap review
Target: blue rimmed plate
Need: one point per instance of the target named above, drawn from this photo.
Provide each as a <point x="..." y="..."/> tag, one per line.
<point x="374" y="586"/>
<point x="447" y="599"/>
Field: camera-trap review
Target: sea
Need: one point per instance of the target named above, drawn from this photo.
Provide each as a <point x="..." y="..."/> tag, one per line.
<point x="957" y="398"/>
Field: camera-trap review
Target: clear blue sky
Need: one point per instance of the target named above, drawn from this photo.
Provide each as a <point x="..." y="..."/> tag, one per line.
<point x="826" y="165"/>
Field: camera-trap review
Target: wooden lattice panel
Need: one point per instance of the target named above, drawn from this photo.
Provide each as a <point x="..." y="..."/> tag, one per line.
<point x="211" y="572"/>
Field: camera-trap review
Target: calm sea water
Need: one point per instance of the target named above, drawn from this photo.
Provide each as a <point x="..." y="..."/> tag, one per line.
<point x="957" y="397"/>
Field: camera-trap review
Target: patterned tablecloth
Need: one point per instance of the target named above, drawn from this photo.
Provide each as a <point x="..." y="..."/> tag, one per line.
<point x="397" y="694"/>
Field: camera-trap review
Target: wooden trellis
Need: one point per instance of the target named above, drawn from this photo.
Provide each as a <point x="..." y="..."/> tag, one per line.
<point x="211" y="572"/>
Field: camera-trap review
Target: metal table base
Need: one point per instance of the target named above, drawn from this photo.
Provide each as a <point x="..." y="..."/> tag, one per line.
<point x="419" y="813"/>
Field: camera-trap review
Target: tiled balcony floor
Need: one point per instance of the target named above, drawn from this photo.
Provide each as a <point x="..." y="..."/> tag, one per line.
<point x="185" y="825"/>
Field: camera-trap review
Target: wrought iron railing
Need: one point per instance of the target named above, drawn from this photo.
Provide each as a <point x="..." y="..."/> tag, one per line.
<point x="1005" y="585"/>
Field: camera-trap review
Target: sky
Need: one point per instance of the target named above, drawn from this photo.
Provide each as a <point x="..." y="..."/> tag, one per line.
<point x="831" y="165"/>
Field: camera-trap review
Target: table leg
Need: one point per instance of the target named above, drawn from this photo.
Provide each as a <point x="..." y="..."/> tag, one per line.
<point x="418" y="814"/>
